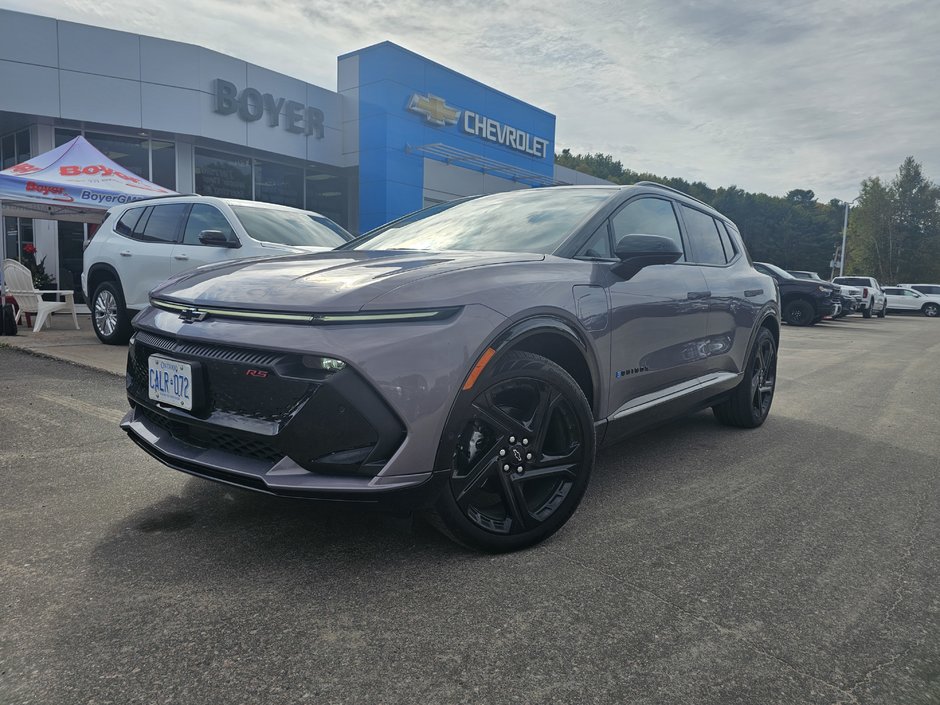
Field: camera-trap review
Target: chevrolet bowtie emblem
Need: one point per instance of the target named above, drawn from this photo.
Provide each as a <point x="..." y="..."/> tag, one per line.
<point x="435" y="110"/>
<point x="188" y="315"/>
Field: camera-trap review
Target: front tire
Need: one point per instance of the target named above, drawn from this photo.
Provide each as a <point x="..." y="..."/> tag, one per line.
<point x="521" y="449"/>
<point x="749" y="403"/>
<point x="931" y="310"/>
<point x="109" y="315"/>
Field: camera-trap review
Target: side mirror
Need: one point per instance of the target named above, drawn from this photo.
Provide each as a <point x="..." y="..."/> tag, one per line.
<point x="637" y="251"/>
<point x="216" y="238"/>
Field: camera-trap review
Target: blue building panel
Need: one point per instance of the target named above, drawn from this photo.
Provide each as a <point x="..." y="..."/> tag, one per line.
<point x="407" y="102"/>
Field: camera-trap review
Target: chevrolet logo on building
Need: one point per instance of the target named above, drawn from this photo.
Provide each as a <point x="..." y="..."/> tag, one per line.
<point x="435" y="110"/>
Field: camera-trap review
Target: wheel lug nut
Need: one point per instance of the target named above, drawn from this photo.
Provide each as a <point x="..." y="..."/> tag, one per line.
<point x="506" y="467"/>
<point x="525" y="441"/>
<point x="512" y="439"/>
<point x="519" y="469"/>
<point x="528" y="456"/>
<point x="502" y="452"/>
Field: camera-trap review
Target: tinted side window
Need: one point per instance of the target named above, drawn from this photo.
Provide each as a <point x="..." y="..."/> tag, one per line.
<point x="164" y="222"/>
<point x="125" y="226"/>
<point x="929" y="290"/>
<point x="703" y="237"/>
<point x="205" y="217"/>
<point x="727" y="240"/>
<point x="598" y="245"/>
<point x="647" y="216"/>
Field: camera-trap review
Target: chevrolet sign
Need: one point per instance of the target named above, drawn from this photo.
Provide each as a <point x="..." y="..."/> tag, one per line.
<point x="437" y="112"/>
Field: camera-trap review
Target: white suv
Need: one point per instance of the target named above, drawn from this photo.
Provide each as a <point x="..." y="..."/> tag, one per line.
<point x="907" y="299"/>
<point x="141" y="244"/>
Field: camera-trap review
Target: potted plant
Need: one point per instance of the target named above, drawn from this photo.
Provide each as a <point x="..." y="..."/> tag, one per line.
<point x="42" y="280"/>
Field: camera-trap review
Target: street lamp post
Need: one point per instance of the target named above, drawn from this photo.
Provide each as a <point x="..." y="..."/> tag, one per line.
<point x="845" y="227"/>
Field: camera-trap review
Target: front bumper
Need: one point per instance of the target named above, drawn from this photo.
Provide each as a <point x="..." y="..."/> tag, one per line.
<point x="283" y="478"/>
<point x="268" y="422"/>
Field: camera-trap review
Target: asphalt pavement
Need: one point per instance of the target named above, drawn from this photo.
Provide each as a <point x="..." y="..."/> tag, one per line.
<point x="796" y="563"/>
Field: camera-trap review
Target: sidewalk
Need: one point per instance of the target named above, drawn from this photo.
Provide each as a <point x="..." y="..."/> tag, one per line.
<point x="63" y="342"/>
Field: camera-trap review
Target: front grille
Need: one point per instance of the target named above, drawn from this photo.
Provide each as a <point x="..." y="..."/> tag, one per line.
<point x="207" y="352"/>
<point x="242" y="444"/>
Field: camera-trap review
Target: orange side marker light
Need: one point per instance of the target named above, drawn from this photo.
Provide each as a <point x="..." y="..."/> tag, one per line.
<point x="478" y="368"/>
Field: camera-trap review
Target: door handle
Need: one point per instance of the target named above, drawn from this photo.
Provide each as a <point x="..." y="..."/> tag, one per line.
<point x="125" y="253"/>
<point x="693" y="295"/>
<point x="180" y="257"/>
<point x="753" y="292"/>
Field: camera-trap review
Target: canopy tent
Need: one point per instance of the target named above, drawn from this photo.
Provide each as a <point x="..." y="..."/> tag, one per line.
<point x="73" y="182"/>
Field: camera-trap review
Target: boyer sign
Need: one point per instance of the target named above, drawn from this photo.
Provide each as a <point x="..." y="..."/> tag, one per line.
<point x="252" y="105"/>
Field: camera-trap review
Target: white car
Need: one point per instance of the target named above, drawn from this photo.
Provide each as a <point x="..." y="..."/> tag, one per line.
<point x="904" y="299"/>
<point x="141" y="244"/>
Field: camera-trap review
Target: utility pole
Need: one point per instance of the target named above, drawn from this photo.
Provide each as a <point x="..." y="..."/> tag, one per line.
<point x="845" y="227"/>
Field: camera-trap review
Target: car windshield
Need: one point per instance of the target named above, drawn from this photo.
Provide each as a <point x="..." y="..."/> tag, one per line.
<point x="536" y="220"/>
<point x="285" y="227"/>
<point x="783" y="274"/>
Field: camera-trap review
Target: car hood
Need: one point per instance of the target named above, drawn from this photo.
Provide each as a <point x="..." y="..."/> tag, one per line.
<point x="343" y="280"/>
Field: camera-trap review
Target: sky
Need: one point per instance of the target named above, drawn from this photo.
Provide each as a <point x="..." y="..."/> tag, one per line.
<point x="765" y="95"/>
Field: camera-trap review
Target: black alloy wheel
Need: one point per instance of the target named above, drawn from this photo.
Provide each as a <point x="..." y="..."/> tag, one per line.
<point x="749" y="403"/>
<point x="521" y="456"/>
<point x="799" y="313"/>
<point x="931" y="310"/>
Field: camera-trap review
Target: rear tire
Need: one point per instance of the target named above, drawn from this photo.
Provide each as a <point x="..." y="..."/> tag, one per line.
<point x="109" y="316"/>
<point x="866" y="312"/>
<point x="884" y="310"/>
<point x="749" y="403"/>
<point x="528" y="415"/>
<point x="931" y="310"/>
<point x="799" y="313"/>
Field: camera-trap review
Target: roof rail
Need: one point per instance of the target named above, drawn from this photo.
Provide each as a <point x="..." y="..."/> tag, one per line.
<point x="656" y="184"/>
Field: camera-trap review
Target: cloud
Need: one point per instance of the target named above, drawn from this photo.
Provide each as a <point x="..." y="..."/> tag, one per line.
<point x="766" y="95"/>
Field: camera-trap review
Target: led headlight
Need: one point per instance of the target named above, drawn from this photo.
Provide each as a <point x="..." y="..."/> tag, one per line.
<point x="330" y="364"/>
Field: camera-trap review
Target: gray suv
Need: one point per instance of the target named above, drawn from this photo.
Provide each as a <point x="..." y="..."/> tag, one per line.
<point x="466" y="364"/>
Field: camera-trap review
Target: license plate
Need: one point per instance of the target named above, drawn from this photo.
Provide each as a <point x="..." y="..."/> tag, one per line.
<point x="170" y="382"/>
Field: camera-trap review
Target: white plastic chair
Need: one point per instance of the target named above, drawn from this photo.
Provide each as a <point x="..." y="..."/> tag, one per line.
<point x="18" y="282"/>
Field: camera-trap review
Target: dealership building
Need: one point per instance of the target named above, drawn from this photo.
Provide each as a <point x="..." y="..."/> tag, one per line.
<point x="400" y="131"/>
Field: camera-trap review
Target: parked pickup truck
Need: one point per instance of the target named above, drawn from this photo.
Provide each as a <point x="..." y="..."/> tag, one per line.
<point x="803" y="302"/>
<point x="873" y="298"/>
<point x="851" y="296"/>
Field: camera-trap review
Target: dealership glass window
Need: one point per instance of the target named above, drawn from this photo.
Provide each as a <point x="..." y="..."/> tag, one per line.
<point x="14" y="148"/>
<point x="130" y="152"/>
<point x="8" y="150"/>
<point x="163" y="163"/>
<point x="18" y="232"/>
<point x="327" y="194"/>
<point x="63" y="135"/>
<point x="71" y="236"/>
<point x="222" y="175"/>
<point x="279" y="183"/>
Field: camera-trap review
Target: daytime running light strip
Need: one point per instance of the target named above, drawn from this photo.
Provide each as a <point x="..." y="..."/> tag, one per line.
<point x="305" y="318"/>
